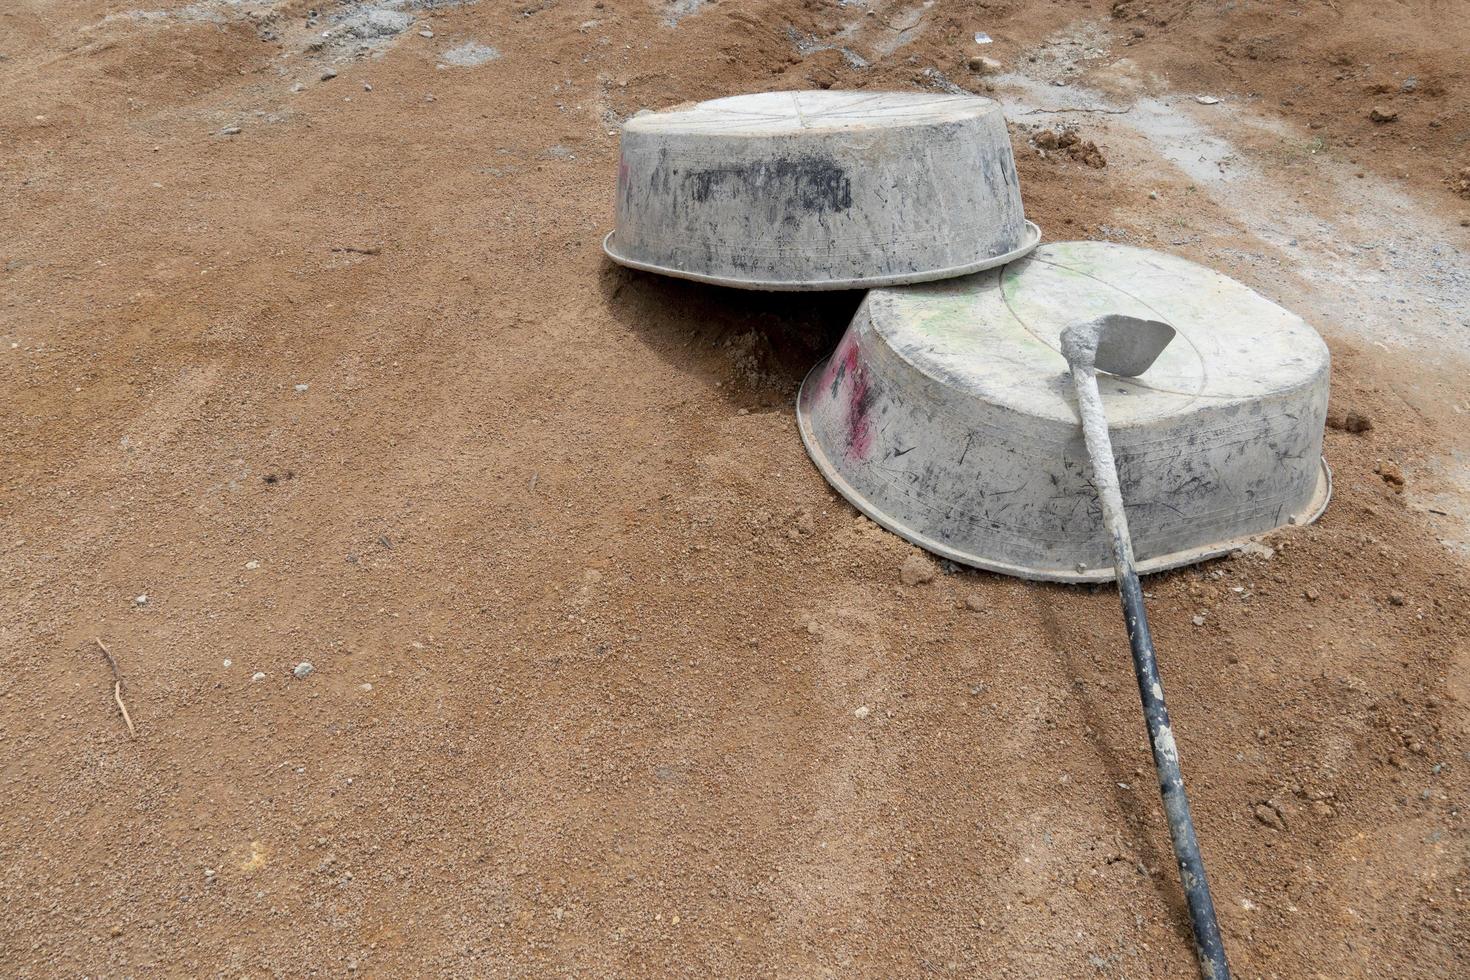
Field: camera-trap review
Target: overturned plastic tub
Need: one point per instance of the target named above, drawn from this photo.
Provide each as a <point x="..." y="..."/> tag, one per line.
<point x="946" y="415"/>
<point x="819" y="190"/>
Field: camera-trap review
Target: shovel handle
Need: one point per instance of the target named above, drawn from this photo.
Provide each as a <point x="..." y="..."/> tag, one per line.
<point x="1209" y="946"/>
<point x="1207" y="940"/>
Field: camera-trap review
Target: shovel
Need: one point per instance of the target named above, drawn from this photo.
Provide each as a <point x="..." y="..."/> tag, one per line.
<point x="1127" y="346"/>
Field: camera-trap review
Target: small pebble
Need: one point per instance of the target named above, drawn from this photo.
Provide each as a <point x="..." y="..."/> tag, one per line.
<point x="252" y="565"/>
<point x="1391" y="473"/>
<point x="916" y="570"/>
<point x="366" y="87"/>
<point x="1395" y="598"/>
<point x="367" y="687"/>
<point x="1270" y="816"/>
<point x="230" y="131"/>
<point x="1199" y="620"/>
<point x="229" y="663"/>
<point x="303" y="670"/>
<point x="257" y="676"/>
<point x="861" y="713"/>
<point x="329" y="74"/>
<point x="141" y="600"/>
<point x="426" y="33"/>
<point x="1351" y="421"/>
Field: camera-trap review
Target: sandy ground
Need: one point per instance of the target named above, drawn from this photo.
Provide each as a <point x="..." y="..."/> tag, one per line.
<point x="353" y="385"/>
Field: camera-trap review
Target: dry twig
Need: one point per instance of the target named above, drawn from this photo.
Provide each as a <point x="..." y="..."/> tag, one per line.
<point x="117" y="687"/>
<point x="1066" y="109"/>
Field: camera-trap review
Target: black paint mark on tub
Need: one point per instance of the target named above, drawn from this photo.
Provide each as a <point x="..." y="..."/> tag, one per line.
<point x="814" y="184"/>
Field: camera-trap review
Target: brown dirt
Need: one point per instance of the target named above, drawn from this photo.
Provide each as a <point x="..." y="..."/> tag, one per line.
<point x="618" y="631"/>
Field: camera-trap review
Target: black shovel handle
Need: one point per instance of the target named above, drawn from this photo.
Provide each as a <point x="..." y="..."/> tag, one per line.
<point x="1208" y="944"/>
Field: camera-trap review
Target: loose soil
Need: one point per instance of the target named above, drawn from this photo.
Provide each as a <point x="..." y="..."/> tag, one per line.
<point x="607" y="682"/>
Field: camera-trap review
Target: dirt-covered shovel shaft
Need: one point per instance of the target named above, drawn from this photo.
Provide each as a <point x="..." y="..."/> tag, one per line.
<point x="1127" y="346"/>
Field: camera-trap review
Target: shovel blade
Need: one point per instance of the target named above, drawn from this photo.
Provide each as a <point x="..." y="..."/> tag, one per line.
<point x="1128" y="346"/>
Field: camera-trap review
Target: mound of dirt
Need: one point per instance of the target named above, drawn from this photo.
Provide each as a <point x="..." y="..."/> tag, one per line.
<point x="1069" y="143"/>
<point x="1459" y="182"/>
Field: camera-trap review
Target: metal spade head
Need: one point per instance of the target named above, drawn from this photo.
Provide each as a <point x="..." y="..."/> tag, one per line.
<point x="1117" y="344"/>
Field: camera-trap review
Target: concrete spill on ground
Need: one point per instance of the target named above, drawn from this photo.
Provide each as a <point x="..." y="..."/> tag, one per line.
<point x="377" y="22"/>
<point x="677" y="10"/>
<point x="471" y="54"/>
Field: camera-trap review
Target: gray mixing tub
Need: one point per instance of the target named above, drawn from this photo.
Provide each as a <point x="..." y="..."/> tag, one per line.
<point x="819" y="190"/>
<point x="946" y="414"/>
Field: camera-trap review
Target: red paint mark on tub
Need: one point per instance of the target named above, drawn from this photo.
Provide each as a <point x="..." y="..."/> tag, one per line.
<point x="857" y="398"/>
